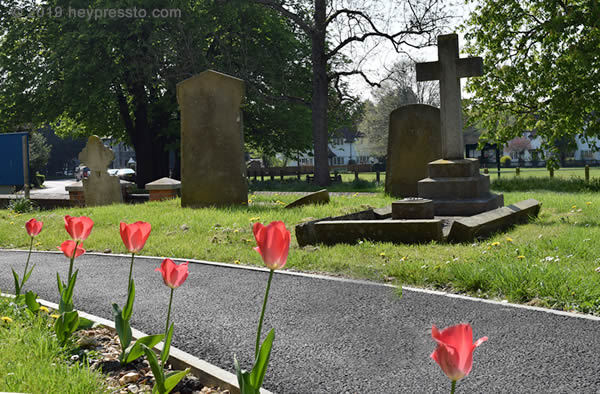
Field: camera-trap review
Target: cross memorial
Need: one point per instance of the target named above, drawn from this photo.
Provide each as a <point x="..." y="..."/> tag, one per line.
<point x="448" y="70"/>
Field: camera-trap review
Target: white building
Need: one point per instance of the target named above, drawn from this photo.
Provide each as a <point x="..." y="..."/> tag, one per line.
<point x="346" y="147"/>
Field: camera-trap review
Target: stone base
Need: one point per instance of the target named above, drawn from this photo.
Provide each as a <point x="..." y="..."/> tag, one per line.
<point x="397" y="231"/>
<point x="484" y="224"/>
<point x="412" y="208"/>
<point x="454" y="188"/>
<point x="468" y="206"/>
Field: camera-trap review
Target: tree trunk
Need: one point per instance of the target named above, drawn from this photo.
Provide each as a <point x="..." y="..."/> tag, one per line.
<point x="319" y="96"/>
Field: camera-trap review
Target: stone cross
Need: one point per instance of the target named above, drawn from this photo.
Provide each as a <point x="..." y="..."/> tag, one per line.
<point x="448" y="70"/>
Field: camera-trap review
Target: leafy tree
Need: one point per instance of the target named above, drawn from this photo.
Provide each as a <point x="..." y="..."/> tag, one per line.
<point x="519" y="145"/>
<point x="541" y="64"/>
<point x="399" y="89"/>
<point x="117" y="77"/>
<point x="39" y="153"/>
<point x="336" y="27"/>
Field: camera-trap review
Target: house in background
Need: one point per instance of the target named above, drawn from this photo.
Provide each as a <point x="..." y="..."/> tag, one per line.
<point x="347" y="146"/>
<point x="124" y="154"/>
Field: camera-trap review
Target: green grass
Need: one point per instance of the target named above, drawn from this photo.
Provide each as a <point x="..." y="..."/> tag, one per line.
<point x="365" y="183"/>
<point x="32" y="361"/>
<point x="561" y="249"/>
<point x="567" y="172"/>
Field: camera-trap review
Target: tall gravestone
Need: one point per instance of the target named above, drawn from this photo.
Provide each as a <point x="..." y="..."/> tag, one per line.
<point x="213" y="169"/>
<point x="414" y="140"/>
<point x="99" y="188"/>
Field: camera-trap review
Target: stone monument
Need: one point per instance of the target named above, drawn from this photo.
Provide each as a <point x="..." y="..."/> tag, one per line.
<point x="454" y="183"/>
<point x="99" y="188"/>
<point x="213" y="170"/>
<point x="414" y="140"/>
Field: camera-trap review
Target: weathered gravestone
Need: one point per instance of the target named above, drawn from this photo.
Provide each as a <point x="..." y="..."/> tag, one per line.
<point x="213" y="170"/>
<point x="99" y="188"/>
<point x="414" y="140"/>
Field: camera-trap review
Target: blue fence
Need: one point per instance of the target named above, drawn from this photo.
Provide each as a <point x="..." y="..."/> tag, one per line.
<point x="11" y="158"/>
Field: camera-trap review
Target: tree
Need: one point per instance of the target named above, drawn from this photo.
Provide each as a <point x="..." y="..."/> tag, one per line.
<point x="117" y="78"/>
<point x="336" y="26"/>
<point x="39" y="153"/>
<point x="519" y="145"/>
<point x="541" y="69"/>
<point x="400" y="88"/>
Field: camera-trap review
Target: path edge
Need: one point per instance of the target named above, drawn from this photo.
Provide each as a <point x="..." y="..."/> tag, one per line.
<point x="207" y="373"/>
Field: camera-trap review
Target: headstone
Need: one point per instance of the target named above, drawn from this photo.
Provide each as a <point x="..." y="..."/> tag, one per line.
<point x="99" y="188"/>
<point x="414" y="140"/>
<point x="318" y="197"/>
<point x="213" y="169"/>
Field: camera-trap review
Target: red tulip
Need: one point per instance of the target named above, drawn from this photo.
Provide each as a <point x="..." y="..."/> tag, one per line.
<point x="454" y="353"/>
<point x="67" y="248"/>
<point x="134" y="235"/>
<point x="174" y="275"/>
<point x="79" y="228"/>
<point x="33" y="227"/>
<point x="273" y="243"/>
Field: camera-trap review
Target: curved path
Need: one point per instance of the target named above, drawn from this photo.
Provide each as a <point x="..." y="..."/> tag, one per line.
<point x="334" y="336"/>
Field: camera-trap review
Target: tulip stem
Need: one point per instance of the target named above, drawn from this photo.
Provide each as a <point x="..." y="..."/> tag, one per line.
<point x="130" y="273"/>
<point x="26" y="265"/>
<point x="169" y="314"/>
<point x="72" y="259"/>
<point x="453" y="387"/>
<point x="262" y="314"/>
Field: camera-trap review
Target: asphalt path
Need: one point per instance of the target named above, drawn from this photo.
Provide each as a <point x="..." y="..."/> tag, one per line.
<point x="333" y="336"/>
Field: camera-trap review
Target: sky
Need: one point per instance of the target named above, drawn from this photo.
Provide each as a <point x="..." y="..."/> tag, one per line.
<point x="375" y="61"/>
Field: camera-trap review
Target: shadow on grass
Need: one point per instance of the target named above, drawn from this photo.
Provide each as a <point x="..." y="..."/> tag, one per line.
<point x="295" y="185"/>
<point x="566" y="185"/>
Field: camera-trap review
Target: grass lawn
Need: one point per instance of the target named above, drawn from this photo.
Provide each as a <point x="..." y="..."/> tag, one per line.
<point x="32" y="361"/>
<point x="550" y="262"/>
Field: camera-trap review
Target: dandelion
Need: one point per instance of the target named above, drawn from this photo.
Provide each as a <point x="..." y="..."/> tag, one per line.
<point x="237" y="262"/>
<point x="521" y="257"/>
<point x="54" y="316"/>
<point x="12" y="222"/>
<point x="574" y="207"/>
<point x="589" y="203"/>
<point x="255" y="218"/>
<point x="44" y="309"/>
<point x="236" y="231"/>
<point x="382" y="254"/>
<point x="509" y="239"/>
<point x="404" y="258"/>
<point x="355" y="194"/>
<point x="495" y="243"/>
<point x="249" y="201"/>
<point x="7" y="319"/>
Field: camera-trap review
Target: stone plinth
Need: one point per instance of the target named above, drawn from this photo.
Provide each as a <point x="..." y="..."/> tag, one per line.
<point x="458" y="189"/>
<point x="414" y="140"/>
<point x="397" y="231"/>
<point x="484" y="224"/>
<point x="213" y="169"/>
<point x="412" y="208"/>
<point x="76" y="193"/>
<point x="163" y="189"/>
<point x="319" y="197"/>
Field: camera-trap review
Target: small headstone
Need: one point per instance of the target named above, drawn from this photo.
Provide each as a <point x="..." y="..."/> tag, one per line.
<point x="99" y="188"/>
<point x="319" y="197"/>
<point x="213" y="169"/>
<point x="414" y="140"/>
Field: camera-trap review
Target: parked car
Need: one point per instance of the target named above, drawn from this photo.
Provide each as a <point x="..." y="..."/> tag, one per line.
<point x="126" y="174"/>
<point x="82" y="172"/>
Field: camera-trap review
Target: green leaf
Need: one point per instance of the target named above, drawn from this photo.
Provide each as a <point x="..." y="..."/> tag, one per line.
<point x="27" y="275"/>
<point x="66" y="296"/>
<point x="65" y="325"/>
<point x="243" y="378"/>
<point x="262" y="361"/>
<point x="30" y="300"/>
<point x="17" y="286"/>
<point x="173" y="378"/>
<point x="164" y="355"/>
<point x="128" y="310"/>
<point x="157" y="370"/>
<point x="60" y="284"/>
<point x="135" y="350"/>
<point x="122" y="326"/>
<point x="85" y="324"/>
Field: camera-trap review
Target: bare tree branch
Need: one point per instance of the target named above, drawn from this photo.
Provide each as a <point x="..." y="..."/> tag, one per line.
<point x="278" y="6"/>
